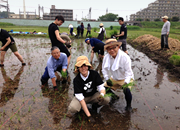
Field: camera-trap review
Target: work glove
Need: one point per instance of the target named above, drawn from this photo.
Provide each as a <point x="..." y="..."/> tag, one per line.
<point x="55" y="88"/>
<point x="109" y="82"/>
<point x="91" y="119"/>
<point x="68" y="44"/>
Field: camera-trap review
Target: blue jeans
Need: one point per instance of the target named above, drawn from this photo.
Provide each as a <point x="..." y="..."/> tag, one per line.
<point x="71" y="31"/>
<point x="45" y="77"/>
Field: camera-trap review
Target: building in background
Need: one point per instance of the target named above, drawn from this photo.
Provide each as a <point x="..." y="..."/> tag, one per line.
<point x="66" y="13"/>
<point x="21" y="16"/>
<point x="158" y="9"/>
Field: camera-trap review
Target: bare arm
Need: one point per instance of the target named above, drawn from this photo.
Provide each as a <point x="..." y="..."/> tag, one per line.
<point x="7" y="43"/>
<point x="84" y="106"/>
<point x="58" y="37"/>
<point x="122" y="34"/>
<point x="54" y="81"/>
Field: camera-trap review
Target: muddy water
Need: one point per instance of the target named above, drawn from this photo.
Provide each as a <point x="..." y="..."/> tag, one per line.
<point x="155" y="102"/>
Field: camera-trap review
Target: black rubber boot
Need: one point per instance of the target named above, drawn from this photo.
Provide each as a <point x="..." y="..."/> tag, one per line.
<point x="95" y="106"/>
<point x="43" y="82"/>
<point x="128" y="97"/>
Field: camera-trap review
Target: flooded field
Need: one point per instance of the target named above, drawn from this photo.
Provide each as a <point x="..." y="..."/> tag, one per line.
<point x="25" y="105"/>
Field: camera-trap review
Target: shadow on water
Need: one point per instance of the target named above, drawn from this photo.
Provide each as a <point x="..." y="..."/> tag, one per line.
<point x="156" y="94"/>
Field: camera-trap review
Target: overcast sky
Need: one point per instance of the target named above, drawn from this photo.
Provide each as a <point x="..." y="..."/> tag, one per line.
<point x="81" y="7"/>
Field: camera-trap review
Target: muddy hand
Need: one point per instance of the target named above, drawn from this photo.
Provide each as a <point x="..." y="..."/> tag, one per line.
<point x="2" y="48"/>
<point x="91" y="119"/>
<point x="64" y="74"/>
<point x="109" y="82"/>
<point x="100" y="98"/>
<point x="68" y="44"/>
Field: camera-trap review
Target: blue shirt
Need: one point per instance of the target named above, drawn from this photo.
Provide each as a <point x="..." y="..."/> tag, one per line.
<point x="53" y="64"/>
<point x="94" y="41"/>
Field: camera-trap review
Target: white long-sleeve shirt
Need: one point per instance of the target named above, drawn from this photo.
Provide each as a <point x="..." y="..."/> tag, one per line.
<point x="119" y="67"/>
<point x="103" y="30"/>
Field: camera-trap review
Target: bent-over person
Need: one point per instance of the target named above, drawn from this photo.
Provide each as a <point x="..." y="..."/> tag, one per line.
<point x="56" y="62"/>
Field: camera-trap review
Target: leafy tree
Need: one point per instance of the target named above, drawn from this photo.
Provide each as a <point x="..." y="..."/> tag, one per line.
<point x="157" y="19"/>
<point x="175" y="19"/>
<point x="108" y="17"/>
<point x="147" y="20"/>
<point x="139" y="19"/>
<point x="85" y="19"/>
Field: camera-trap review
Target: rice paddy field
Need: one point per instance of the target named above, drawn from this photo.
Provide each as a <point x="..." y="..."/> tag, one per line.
<point x="25" y="104"/>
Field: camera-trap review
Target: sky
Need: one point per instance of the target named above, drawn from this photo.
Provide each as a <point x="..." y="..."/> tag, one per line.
<point x="124" y="8"/>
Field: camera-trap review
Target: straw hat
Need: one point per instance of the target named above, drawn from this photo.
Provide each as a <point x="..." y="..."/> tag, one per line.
<point x="165" y="17"/>
<point x="81" y="60"/>
<point x="111" y="42"/>
<point x="101" y="24"/>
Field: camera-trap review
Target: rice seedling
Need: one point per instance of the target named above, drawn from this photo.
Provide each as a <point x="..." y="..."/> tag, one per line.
<point x="29" y="110"/>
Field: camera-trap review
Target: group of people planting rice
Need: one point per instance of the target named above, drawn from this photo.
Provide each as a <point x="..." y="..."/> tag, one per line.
<point x="89" y="87"/>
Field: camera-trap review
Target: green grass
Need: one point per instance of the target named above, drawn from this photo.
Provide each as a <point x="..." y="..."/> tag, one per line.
<point x="133" y="31"/>
<point x="145" y="24"/>
<point x="175" y="59"/>
<point x="6" y="24"/>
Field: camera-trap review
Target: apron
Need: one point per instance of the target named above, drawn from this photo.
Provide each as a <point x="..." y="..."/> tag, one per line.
<point x="101" y="35"/>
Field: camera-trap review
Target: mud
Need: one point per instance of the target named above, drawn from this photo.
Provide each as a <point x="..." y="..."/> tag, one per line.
<point x="155" y="95"/>
<point x="159" y="56"/>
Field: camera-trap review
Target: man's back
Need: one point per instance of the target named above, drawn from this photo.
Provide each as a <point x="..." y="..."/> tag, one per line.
<point x="95" y="41"/>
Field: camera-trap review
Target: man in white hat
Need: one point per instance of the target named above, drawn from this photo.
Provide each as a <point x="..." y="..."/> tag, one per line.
<point x="88" y="88"/>
<point x="118" y="63"/>
<point x="165" y="32"/>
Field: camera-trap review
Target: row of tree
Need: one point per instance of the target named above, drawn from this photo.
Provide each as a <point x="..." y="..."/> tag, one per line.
<point x="173" y="19"/>
<point x="113" y="17"/>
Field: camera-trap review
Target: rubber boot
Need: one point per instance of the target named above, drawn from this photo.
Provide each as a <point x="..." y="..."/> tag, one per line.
<point x="128" y="97"/>
<point x="43" y="82"/>
<point x="95" y="106"/>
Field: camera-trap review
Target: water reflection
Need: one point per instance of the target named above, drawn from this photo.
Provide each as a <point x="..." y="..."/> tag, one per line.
<point x="57" y="101"/>
<point x="9" y="86"/>
<point x="99" y="69"/>
<point x="159" y="77"/>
